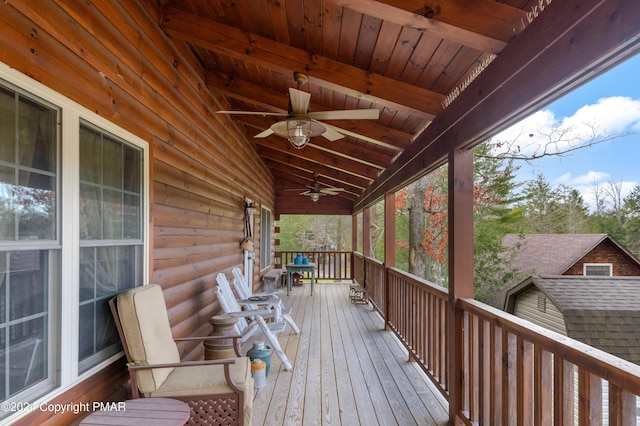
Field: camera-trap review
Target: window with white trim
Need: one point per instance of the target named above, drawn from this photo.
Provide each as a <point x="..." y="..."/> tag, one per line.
<point x="68" y="241"/>
<point x="110" y="236"/>
<point x="29" y="202"/>
<point x="265" y="238"/>
<point x="598" y="269"/>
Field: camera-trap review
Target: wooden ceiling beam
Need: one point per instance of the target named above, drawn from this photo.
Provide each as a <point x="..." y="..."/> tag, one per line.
<point x="347" y="79"/>
<point x="485" y="25"/>
<point x="548" y="59"/>
<point x="296" y="204"/>
<point x="303" y="164"/>
<point x="287" y="178"/>
<point x="312" y="154"/>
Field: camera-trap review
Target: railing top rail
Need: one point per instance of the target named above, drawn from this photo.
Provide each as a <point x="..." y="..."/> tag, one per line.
<point x="620" y="372"/>
<point x="443" y="291"/>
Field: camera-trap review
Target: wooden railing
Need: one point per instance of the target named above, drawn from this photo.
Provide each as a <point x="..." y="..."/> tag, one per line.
<point x="417" y="313"/>
<point x="330" y="265"/>
<point x="513" y="371"/>
<point x="518" y="373"/>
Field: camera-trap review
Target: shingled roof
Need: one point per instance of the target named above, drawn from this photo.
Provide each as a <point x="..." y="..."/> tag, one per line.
<point x="550" y="254"/>
<point x="603" y="312"/>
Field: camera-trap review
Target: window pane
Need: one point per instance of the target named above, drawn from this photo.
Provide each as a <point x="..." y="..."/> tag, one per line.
<point x="112" y="163"/>
<point x="36" y="198"/>
<point x="90" y="155"/>
<point x="131" y="212"/>
<point x="7" y="204"/>
<point x="132" y="170"/>
<point x="112" y="214"/>
<point x="23" y="320"/>
<point x="90" y="213"/>
<point x="36" y="136"/>
<point x="7" y="126"/>
<point x="104" y="272"/>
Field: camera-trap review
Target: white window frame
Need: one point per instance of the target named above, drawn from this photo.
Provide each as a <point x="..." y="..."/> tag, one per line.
<point x="586" y="266"/>
<point x="266" y="227"/>
<point x="64" y="291"/>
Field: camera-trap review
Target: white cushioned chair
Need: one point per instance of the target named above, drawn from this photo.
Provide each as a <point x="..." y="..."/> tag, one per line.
<point x="218" y="391"/>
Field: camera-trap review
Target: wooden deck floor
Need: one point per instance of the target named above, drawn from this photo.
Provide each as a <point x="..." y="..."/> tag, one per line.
<point x="346" y="369"/>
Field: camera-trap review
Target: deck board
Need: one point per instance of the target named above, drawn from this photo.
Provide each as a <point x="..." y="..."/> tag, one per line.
<point x="347" y="370"/>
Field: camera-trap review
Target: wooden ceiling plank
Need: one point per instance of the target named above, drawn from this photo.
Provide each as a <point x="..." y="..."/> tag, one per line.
<point x="369" y="31"/>
<point x="313" y="26"/>
<point x="433" y="27"/>
<point x="262" y="15"/>
<point x="312" y="154"/>
<point x="458" y="67"/>
<point x="387" y="36"/>
<point x="328" y="73"/>
<point x="402" y="51"/>
<point x="552" y="56"/>
<point x="420" y="57"/>
<point x="331" y="22"/>
<point x="349" y="34"/>
<point x="295" y="23"/>
<point x="279" y="22"/>
<point x="303" y="164"/>
<point x="488" y="17"/>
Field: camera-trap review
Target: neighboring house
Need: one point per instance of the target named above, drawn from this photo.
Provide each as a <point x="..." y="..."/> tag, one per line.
<point x="571" y="254"/>
<point x="603" y="312"/>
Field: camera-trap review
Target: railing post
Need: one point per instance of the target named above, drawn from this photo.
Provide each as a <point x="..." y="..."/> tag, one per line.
<point x="389" y="248"/>
<point x="460" y="184"/>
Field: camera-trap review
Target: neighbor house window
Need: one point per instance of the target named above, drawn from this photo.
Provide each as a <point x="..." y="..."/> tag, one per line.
<point x="72" y="233"/>
<point x="29" y="231"/>
<point x="265" y="238"/>
<point x="598" y="269"/>
<point x="110" y="236"/>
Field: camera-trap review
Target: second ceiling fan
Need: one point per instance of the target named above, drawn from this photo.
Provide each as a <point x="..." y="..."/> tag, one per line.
<point x="300" y="124"/>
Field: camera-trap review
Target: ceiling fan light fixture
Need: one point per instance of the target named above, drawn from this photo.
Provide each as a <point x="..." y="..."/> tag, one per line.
<point x="298" y="132"/>
<point x="315" y="196"/>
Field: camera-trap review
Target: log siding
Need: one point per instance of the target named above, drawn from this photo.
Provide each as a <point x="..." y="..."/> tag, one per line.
<point x="113" y="58"/>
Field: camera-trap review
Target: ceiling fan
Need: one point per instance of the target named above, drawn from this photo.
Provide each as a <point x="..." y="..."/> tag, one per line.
<point x="315" y="191"/>
<point x="300" y="125"/>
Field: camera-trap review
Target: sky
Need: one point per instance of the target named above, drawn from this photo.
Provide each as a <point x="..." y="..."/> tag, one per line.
<point x="607" y="105"/>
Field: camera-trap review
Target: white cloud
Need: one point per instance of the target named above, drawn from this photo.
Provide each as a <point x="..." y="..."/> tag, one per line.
<point x="543" y="133"/>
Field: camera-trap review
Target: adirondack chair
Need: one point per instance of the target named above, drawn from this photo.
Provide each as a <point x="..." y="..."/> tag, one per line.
<point x="251" y="320"/>
<point x="244" y="292"/>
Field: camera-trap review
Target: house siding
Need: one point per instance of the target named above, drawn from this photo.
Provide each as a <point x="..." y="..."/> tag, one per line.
<point x="607" y="252"/>
<point x="112" y="58"/>
<point x="526" y="307"/>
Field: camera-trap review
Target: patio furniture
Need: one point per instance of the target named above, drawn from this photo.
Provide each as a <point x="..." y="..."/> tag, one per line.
<point x="358" y="294"/>
<point x="302" y="268"/>
<point x="252" y="320"/>
<point x="216" y="391"/>
<point x="156" y="411"/>
<point x="271" y="298"/>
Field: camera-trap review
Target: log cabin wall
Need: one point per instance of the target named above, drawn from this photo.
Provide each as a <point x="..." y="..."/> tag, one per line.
<point x="112" y="58"/>
<point x="607" y="252"/>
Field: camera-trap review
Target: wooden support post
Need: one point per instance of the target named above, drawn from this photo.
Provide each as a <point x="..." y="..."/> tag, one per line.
<point x="389" y="248"/>
<point x="460" y="268"/>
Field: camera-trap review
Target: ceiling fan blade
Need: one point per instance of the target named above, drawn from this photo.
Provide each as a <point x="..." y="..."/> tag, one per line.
<point x="264" y="133"/>
<point x="332" y="135"/>
<point x="331" y="191"/>
<point x="355" y="135"/>
<point x="299" y="101"/>
<point x="275" y="114"/>
<point x="346" y="114"/>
